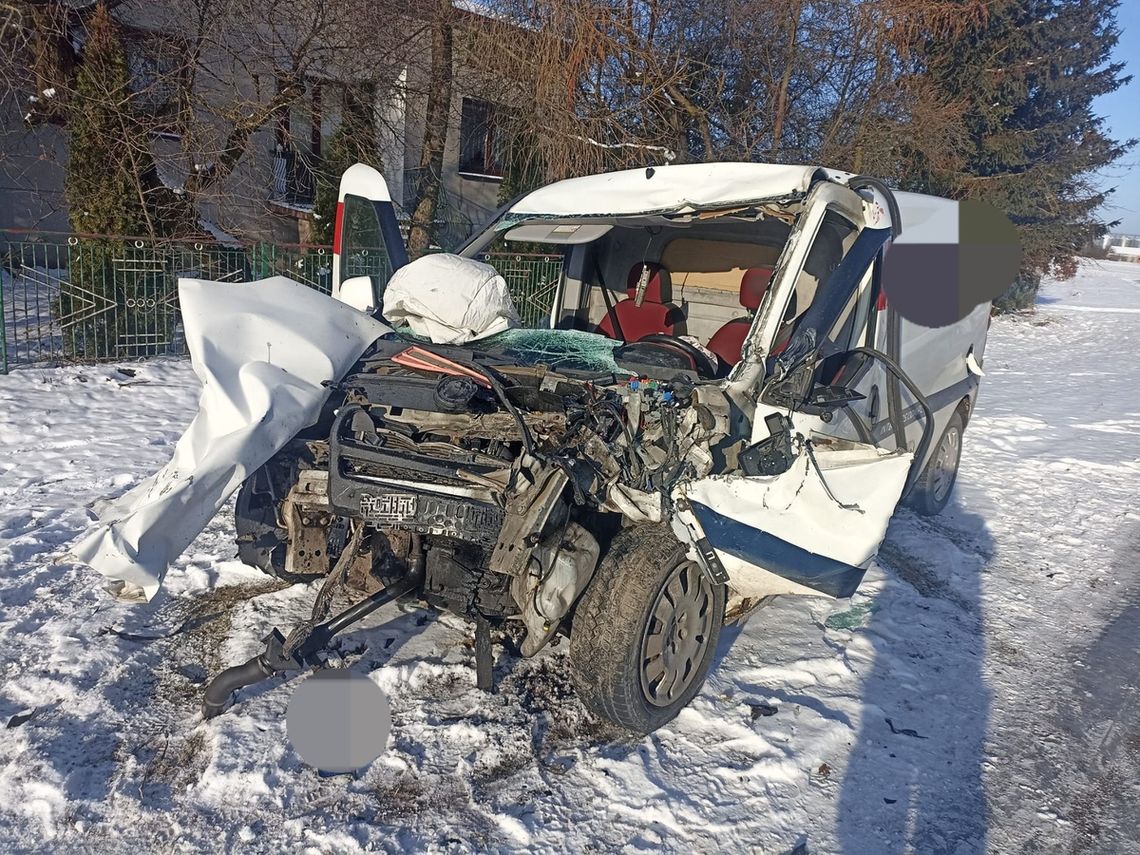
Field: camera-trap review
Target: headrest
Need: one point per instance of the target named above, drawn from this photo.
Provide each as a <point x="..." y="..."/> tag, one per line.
<point x="753" y="286"/>
<point x="659" y="288"/>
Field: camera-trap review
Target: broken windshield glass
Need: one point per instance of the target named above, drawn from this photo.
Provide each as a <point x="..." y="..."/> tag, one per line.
<point x="572" y="350"/>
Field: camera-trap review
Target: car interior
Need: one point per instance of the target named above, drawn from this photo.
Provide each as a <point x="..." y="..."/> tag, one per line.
<point x="691" y="284"/>
<point x="686" y="283"/>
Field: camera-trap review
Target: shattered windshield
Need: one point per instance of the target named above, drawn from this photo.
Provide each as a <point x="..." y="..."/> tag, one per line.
<point x="561" y="350"/>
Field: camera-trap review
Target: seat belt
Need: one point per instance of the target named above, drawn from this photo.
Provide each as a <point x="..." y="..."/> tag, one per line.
<point x="607" y="299"/>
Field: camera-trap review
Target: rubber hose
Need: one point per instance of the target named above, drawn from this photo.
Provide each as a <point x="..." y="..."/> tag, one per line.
<point x="229" y="681"/>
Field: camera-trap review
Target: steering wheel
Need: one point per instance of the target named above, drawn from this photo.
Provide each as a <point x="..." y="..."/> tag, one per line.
<point x="705" y="367"/>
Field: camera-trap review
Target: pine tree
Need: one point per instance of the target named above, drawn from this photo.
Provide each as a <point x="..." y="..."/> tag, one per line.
<point x="108" y="151"/>
<point x="1029" y="75"/>
<point x="354" y="141"/>
<point x="101" y="186"/>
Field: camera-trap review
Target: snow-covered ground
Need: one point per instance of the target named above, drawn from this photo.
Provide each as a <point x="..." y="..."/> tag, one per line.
<point x="977" y="694"/>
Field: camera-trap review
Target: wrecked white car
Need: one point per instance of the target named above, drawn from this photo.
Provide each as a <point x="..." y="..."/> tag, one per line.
<point x="721" y="407"/>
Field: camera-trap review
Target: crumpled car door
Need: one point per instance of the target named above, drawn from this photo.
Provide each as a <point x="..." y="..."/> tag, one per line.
<point x="813" y="525"/>
<point x="367" y="244"/>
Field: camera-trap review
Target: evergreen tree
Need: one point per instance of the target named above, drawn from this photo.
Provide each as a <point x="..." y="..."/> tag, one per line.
<point x="1029" y="75"/>
<point x="354" y="141"/>
<point x="101" y="185"/>
<point x="107" y="307"/>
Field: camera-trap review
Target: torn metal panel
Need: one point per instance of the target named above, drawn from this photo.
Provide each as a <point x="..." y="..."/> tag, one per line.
<point x="263" y="352"/>
<point x="815" y="526"/>
<point x="636" y="506"/>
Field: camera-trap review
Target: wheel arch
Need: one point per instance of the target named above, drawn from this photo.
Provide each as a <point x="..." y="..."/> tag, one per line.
<point x="965" y="408"/>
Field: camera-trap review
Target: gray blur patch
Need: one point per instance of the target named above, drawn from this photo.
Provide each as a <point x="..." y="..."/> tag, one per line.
<point x="338" y="721"/>
<point x="941" y="279"/>
<point x="921" y="282"/>
<point x="990" y="253"/>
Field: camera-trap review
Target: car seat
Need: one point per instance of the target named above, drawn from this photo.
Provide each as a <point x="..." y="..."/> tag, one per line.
<point x="653" y="316"/>
<point x="727" y="342"/>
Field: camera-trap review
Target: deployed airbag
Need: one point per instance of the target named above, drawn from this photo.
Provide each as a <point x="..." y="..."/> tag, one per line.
<point x="449" y="299"/>
<point x="262" y="351"/>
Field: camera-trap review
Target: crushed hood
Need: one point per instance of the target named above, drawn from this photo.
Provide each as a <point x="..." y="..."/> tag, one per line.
<point x="263" y="352"/>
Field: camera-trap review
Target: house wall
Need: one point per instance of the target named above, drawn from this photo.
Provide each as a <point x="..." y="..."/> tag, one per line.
<point x="32" y="160"/>
<point x="468" y="203"/>
<point x="1123" y="247"/>
<point x="32" y="165"/>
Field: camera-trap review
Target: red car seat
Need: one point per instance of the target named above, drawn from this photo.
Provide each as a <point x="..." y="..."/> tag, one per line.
<point x="727" y="342"/>
<point x="653" y="316"/>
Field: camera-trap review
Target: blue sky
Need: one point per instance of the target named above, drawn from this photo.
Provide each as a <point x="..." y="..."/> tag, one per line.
<point x="1122" y="110"/>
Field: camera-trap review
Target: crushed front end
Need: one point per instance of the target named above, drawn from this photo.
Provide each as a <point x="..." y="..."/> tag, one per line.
<point x="505" y="481"/>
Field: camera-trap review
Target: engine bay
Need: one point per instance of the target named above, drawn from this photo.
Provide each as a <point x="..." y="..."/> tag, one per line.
<point x="505" y="478"/>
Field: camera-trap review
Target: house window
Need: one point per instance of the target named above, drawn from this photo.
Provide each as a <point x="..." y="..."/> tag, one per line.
<point x="478" y="141"/>
<point x="156" y="64"/>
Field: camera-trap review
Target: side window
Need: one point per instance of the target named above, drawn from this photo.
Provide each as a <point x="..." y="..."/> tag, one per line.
<point x="362" y="243"/>
<point x="834" y="238"/>
<point x="534" y="272"/>
<point x="479" y="140"/>
<point x="847" y="331"/>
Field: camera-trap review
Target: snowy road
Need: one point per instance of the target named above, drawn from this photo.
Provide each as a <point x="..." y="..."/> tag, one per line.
<point x="978" y="694"/>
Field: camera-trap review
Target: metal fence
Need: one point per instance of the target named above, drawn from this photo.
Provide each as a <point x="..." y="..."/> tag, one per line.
<point x="532" y="280"/>
<point x="81" y="299"/>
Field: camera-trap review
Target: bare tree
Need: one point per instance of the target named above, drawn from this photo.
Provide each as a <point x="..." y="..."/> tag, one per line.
<point x="440" y="80"/>
<point x="611" y="84"/>
<point x="581" y="85"/>
<point x="207" y="77"/>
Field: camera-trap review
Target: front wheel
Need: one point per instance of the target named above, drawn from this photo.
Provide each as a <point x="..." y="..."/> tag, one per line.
<point x="645" y="632"/>
<point x="933" y="488"/>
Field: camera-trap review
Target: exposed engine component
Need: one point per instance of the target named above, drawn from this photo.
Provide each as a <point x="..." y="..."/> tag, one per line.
<point x="307" y="519"/>
<point x="502" y="489"/>
<point x="557" y="573"/>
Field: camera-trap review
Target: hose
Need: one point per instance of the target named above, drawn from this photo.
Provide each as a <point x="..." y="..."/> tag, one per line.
<point x="276" y="659"/>
<point x="232" y="679"/>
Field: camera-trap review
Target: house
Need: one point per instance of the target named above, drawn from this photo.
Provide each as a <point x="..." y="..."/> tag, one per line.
<point x="1122" y="247"/>
<point x="268" y="194"/>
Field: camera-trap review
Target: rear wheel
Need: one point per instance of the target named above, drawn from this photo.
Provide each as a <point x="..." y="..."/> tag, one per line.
<point x="646" y="630"/>
<point x="933" y="489"/>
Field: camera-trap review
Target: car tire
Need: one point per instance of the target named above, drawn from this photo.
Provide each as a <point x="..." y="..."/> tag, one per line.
<point x="934" y="487"/>
<point x="645" y="632"/>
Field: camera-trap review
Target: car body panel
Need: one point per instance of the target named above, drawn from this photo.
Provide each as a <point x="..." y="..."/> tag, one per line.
<point x="812" y="528"/>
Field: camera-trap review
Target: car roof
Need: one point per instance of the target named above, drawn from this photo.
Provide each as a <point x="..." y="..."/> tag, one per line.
<point x="673" y="188"/>
<point x="688" y="187"/>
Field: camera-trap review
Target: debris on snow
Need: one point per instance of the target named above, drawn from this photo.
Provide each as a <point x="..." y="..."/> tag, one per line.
<point x="904" y="731"/>
<point x="21" y="717"/>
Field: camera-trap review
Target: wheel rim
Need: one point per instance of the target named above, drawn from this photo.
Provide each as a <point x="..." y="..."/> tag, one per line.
<point x="676" y="635"/>
<point x="946" y="463"/>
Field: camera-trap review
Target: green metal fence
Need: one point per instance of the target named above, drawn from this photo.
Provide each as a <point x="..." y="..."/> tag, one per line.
<point x="532" y="280"/>
<point x="82" y="299"/>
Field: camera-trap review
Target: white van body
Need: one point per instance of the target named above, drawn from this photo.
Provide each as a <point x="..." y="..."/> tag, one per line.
<point x="633" y="470"/>
<point x="707" y="223"/>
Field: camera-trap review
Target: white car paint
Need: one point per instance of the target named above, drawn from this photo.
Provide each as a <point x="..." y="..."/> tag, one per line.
<point x="846" y="525"/>
<point x="262" y="351"/>
<point x="675" y="188"/>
